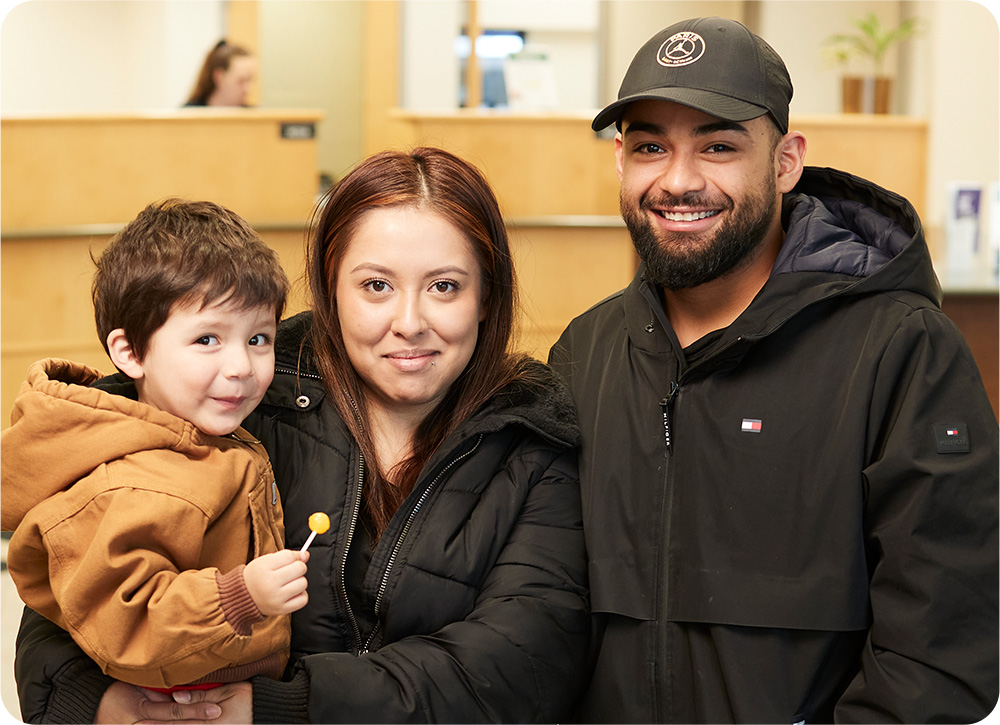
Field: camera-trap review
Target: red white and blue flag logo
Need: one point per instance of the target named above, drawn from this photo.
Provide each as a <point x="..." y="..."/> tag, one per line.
<point x="750" y="425"/>
<point x="952" y="431"/>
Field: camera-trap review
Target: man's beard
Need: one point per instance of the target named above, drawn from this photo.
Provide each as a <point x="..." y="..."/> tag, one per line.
<point x="679" y="261"/>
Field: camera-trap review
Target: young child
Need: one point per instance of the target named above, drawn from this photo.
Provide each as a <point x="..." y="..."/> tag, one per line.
<point x="146" y="521"/>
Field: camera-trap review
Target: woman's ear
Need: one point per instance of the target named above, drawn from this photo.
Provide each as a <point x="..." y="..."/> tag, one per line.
<point x="122" y="355"/>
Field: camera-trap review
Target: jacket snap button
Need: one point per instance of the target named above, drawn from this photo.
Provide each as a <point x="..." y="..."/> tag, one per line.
<point x="302" y="401"/>
<point x="649" y="327"/>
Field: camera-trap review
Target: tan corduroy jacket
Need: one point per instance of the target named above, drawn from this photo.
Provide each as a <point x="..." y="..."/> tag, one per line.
<point x="131" y="530"/>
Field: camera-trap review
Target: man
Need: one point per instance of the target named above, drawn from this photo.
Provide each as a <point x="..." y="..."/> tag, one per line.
<point x="789" y="466"/>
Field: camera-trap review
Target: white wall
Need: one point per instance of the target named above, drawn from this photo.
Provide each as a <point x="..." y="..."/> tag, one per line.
<point x="796" y="30"/>
<point x="961" y="97"/>
<point x="565" y="30"/>
<point x="310" y="57"/>
<point x="104" y="55"/>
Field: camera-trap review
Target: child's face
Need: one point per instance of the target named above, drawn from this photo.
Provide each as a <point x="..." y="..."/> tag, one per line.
<point x="210" y="366"/>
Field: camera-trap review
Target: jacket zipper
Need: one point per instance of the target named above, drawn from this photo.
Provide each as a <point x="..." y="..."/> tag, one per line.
<point x="290" y="371"/>
<point x="359" y="482"/>
<point x="665" y="405"/>
<point x="402" y="536"/>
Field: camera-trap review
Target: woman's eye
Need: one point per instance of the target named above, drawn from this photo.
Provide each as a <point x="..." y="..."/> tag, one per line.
<point x="376" y="285"/>
<point x="444" y="286"/>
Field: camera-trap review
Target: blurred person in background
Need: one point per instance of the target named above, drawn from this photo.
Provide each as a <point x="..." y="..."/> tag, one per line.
<point x="226" y="77"/>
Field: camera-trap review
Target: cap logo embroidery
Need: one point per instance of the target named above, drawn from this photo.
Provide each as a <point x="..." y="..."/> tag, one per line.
<point x="680" y="49"/>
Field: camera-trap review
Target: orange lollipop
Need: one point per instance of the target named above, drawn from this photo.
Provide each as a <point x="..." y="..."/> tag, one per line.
<point x="319" y="522"/>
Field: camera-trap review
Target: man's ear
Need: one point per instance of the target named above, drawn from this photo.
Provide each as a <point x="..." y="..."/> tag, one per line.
<point x="791" y="158"/>
<point x="618" y="155"/>
<point x="122" y="355"/>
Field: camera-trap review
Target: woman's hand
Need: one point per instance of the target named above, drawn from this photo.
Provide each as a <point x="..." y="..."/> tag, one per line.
<point x="235" y="700"/>
<point x="124" y="703"/>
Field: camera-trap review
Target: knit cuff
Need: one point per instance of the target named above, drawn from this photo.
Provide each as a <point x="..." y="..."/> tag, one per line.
<point x="281" y="702"/>
<point x="237" y="605"/>
<point x="76" y="692"/>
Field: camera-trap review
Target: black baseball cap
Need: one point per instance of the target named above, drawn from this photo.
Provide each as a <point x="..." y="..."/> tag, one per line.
<point x="714" y="65"/>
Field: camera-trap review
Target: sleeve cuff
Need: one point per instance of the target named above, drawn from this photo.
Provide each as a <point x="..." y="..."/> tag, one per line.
<point x="281" y="702"/>
<point x="238" y="606"/>
<point x="77" y="690"/>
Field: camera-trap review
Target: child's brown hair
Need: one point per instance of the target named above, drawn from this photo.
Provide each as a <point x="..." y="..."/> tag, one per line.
<point x="181" y="251"/>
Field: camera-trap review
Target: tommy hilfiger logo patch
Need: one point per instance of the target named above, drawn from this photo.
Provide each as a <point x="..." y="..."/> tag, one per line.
<point x="951" y="437"/>
<point x="750" y="425"/>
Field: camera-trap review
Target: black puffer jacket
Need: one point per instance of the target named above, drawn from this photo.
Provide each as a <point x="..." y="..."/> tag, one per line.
<point x="479" y="581"/>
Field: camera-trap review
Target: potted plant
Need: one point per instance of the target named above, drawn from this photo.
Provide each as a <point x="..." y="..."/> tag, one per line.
<point x="871" y="42"/>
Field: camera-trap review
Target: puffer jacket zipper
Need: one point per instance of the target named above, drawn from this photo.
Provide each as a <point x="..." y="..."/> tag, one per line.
<point x="402" y="537"/>
<point x="355" y="506"/>
<point x="292" y="371"/>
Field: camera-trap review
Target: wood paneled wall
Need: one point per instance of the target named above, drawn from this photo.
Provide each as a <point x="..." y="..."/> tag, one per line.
<point x="65" y="171"/>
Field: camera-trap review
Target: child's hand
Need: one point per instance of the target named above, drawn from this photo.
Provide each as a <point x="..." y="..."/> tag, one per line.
<point x="277" y="582"/>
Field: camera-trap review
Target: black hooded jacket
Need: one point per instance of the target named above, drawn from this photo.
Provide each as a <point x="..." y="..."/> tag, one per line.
<point x="478" y="586"/>
<point x="795" y="517"/>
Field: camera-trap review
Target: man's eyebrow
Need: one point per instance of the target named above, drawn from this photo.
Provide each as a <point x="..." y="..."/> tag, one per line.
<point x="721" y="125"/>
<point x="643" y="127"/>
<point x="703" y="130"/>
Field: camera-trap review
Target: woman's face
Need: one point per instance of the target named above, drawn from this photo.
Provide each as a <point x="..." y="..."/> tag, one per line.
<point x="410" y="299"/>
<point x="232" y="86"/>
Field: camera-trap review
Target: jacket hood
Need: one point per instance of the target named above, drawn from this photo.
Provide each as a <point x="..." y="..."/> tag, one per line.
<point x="867" y="238"/>
<point x="62" y="428"/>
<point x="543" y="404"/>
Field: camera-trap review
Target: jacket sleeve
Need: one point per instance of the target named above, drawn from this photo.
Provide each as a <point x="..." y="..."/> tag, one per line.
<point x="519" y="656"/>
<point x="931" y="526"/>
<point x="120" y="575"/>
<point x="56" y="681"/>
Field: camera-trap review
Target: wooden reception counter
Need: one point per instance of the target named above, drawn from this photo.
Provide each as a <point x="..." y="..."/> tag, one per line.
<point x="67" y="183"/>
<point x="65" y="171"/>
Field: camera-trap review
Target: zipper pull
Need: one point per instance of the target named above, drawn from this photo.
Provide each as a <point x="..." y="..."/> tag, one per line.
<point x="665" y="406"/>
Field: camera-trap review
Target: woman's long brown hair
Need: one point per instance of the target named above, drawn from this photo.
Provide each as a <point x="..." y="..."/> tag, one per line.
<point x="219" y="57"/>
<point x="432" y="179"/>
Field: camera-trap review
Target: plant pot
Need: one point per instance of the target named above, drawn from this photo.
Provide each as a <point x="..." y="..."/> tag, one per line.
<point x="866" y="94"/>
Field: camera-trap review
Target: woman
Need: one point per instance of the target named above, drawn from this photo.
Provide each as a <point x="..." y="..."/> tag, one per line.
<point x="225" y="78"/>
<point x="450" y="586"/>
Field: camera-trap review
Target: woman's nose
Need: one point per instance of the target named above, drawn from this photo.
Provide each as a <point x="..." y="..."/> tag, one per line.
<point x="409" y="319"/>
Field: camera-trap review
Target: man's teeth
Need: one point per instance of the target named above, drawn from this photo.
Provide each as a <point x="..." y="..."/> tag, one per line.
<point x="686" y="216"/>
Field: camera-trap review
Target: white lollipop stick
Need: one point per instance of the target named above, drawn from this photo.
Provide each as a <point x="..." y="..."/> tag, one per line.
<point x="305" y="546"/>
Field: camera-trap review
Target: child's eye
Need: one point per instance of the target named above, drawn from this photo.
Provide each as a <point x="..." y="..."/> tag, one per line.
<point x="207" y="340"/>
<point x="260" y="339"/>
